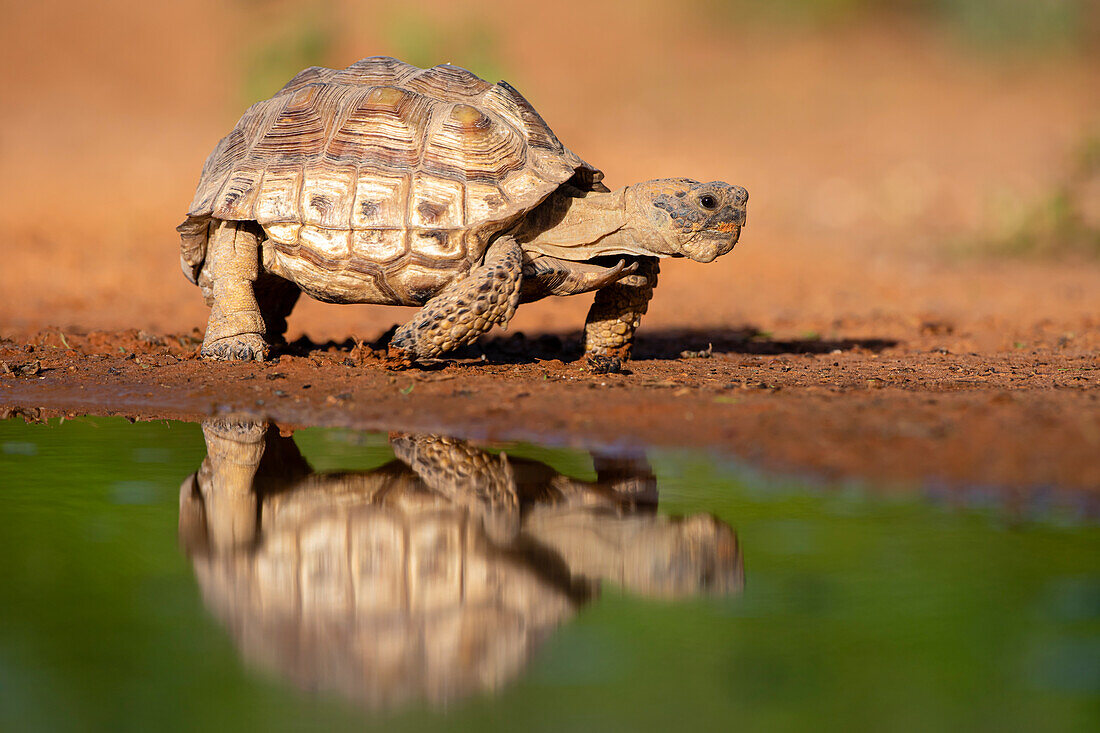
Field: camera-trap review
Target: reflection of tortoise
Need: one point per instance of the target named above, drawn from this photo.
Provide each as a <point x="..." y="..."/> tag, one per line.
<point x="433" y="576"/>
<point x="384" y="183"/>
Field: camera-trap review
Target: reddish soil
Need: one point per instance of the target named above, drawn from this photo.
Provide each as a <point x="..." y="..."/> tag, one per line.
<point x="868" y="408"/>
<point x="870" y="154"/>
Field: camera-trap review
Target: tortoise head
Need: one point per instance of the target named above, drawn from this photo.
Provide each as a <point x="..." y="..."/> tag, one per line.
<point x="692" y="219"/>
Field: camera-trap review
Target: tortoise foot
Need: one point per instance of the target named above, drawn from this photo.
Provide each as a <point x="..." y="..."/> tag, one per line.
<point x="605" y="363"/>
<point x="398" y="359"/>
<point x="243" y="347"/>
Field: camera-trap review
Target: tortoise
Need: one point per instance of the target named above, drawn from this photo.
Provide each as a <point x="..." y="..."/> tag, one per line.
<point x="410" y="580"/>
<point x="389" y="184"/>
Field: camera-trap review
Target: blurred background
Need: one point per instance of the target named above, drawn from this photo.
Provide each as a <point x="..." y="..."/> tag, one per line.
<point x="905" y="160"/>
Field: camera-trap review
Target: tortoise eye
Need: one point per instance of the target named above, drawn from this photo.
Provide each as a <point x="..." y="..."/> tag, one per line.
<point x="707" y="201"/>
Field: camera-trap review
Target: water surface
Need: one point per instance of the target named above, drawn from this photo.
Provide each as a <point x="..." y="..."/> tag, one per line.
<point x="223" y="576"/>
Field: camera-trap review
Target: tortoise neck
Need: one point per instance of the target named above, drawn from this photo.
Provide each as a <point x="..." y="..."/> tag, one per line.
<point x="572" y="216"/>
<point x="577" y="225"/>
<point x="596" y="213"/>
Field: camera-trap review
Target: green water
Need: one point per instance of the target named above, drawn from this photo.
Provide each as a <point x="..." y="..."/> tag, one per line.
<point x="857" y="611"/>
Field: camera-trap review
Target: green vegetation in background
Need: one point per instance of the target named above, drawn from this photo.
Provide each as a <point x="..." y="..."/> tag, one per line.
<point x="1009" y="24"/>
<point x="1065" y="223"/>
<point x="281" y="49"/>
<point x="473" y="42"/>
<point x="288" y="41"/>
<point x="284" y="42"/>
<point x="859" y="613"/>
<point x="994" y="25"/>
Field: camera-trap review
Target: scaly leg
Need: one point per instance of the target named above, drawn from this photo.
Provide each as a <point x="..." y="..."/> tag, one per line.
<point x="615" y="315"/>
<point x="246" y="459"/>
<point x="466" y="308"/>
<point x="234" y="450"/>
<point x="236" y="326"/>
<point x="467" y="476"/>
<point x="546" y="275"/>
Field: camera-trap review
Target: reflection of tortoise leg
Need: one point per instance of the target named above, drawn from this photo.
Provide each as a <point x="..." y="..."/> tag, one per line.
<point x="225" y="479"/>
<point x="615" y="315"/>
<point x="192" y="525"/>
<point x="466" y="308"/>
<point x="245" y="460"/>
<point x="467" y="476"/>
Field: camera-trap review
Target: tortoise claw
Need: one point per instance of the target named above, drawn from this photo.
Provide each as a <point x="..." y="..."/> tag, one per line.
<point x="616" y="273"/>
<point x="243" y="347"/>
<point x="627" y="269"/>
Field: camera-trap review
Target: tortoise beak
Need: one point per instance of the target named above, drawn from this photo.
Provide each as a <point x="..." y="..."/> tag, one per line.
<point x="740" y="204"/>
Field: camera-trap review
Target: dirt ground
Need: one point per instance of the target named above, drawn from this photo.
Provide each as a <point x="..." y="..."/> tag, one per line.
<point x="852" y="408"/>
<point x="856" y="331"/>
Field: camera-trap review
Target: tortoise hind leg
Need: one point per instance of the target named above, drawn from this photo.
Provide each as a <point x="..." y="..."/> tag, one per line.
<point x="466" y="308"/>
<point x="236" y="326"/>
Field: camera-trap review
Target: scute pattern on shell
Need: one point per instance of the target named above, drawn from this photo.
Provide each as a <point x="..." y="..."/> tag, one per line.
<point x="382" y="170"/>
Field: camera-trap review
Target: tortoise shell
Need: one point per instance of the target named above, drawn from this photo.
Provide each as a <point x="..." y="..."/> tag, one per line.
<point x="378" y="170"/>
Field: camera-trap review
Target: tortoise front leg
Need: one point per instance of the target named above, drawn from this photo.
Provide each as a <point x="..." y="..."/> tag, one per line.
<point x="466" y="308"/>
<point x="543" y="276"/>
<point x="615" y="315"/>
<point x="236" y="326"/>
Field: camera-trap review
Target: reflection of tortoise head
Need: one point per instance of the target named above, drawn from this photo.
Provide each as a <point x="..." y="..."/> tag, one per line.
<point x="380" y="586"/>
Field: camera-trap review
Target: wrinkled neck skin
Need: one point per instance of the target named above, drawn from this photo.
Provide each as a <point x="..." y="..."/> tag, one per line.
<point x="579" y="225"/>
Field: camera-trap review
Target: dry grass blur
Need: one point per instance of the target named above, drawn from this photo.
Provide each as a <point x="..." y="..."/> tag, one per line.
<point x="872" y="142"/>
